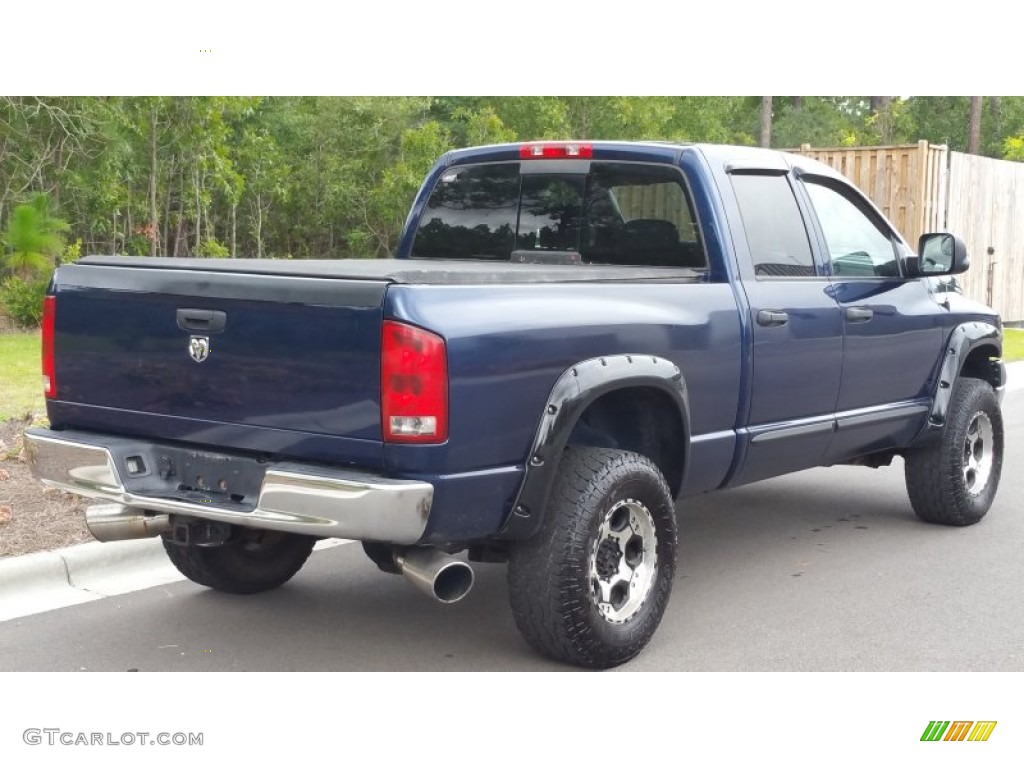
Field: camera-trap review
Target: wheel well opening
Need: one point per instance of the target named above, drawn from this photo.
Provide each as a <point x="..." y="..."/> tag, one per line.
<point x="640" y="419"/>
<point x="978" y="365"/>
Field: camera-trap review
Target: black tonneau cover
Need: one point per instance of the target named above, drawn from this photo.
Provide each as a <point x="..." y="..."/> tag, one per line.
<point x="409" y="271"/>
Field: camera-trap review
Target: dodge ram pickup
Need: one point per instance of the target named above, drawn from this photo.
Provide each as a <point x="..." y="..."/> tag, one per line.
<point x="572" y="338"/>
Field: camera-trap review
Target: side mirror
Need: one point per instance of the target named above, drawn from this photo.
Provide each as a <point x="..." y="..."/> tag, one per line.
<point x="940" y="253"/>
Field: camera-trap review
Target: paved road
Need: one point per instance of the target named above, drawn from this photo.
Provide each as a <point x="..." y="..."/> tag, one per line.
<point x="823" y="570"/>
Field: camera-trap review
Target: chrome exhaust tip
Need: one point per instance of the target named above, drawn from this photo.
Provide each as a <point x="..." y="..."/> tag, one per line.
<point x="116" y="522"/>
<point x="435" y="573"/>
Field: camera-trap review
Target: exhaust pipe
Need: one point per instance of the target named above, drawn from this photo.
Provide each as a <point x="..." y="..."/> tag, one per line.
<point x="116" y="522"/>
<point x="435" y="573"/>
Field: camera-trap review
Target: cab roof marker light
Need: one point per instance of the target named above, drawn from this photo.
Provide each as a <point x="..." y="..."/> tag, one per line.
<point x="562" y="150"/>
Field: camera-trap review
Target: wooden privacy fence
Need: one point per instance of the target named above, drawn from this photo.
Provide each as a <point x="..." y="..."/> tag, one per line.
<point x="924" y="188"/>
<point x="986" y="209"/>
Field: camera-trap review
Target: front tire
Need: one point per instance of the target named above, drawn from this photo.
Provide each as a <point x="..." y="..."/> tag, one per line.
<point x="590" y="588"/>
<point x="954" y="481"/>
<point x="251" y="561"/>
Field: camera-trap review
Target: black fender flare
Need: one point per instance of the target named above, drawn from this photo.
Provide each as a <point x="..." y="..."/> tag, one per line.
<point x="573" y="392"/>
<point x="964" y="339"/>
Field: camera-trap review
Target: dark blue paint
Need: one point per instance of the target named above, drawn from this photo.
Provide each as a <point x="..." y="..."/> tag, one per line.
<point x="892" y="356"/>
<point x="306" y="369"/>
<point x="501" y="372"/>
<point x="329" y="449"/>
<point x="469" y="505"/>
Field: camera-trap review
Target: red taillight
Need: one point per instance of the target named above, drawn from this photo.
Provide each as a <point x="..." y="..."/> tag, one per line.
<point x="413" y="384"/>
<point x="49" y="376"/>
<point x="563" y="150"/>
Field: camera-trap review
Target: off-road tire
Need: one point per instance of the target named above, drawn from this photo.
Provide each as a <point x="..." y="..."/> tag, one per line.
<point x="253" y="561"/>
<point x="944" y="479"/>
<point x="556" y="602"/>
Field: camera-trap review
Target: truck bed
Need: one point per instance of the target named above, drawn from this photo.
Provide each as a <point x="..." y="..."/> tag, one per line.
<point x="293" y="372"/>
<point x="406" y="271"/>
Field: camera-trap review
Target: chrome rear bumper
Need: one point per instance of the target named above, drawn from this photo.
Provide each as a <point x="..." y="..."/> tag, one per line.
<point x="297" y="498"/>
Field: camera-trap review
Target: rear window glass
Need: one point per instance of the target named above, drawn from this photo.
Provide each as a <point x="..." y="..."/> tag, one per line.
<point x="616" y="213"/>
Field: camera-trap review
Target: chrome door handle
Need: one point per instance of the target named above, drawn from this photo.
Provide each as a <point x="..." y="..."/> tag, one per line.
<point x="772" y="317"/>
<point x="859" y="314"/>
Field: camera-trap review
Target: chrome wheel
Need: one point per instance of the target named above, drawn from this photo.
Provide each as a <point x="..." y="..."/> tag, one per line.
<point x="978" y="453"/>
<point x="623" y="561"/>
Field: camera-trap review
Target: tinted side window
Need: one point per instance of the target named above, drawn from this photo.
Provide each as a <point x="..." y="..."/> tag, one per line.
<point x="858" y="244"/>
<point x="471" y="214"/>
<point x="775" y="229"/>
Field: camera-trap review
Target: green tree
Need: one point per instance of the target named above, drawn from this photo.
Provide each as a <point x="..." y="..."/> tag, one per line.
<point x="821" y="121"/>
<point x="1014" y="148"/>
<point x="976" y="104"/>
<point x="263" y="175"/>
<point x="33" y="238"/>
<point x="764" y="134"/>
<point x="388" y="203"/>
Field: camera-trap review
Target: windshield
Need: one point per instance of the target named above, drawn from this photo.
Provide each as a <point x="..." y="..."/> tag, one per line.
<point x="614" y="213"/>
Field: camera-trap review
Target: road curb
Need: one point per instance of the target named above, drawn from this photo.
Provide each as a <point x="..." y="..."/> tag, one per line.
<point x="43" y="581"/>
<point x="117" y="567"/>
<point x="38" y="570"/>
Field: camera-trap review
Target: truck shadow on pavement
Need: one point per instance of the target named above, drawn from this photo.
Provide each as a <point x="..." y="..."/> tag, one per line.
<point x="341" y="613"/>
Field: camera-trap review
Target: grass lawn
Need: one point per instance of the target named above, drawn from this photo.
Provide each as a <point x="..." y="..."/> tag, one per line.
<point x="1013" y="345"/>
<point x="21" y="387"/>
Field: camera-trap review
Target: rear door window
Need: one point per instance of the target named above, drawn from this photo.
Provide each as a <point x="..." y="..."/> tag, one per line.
<point x="609" y="213"/>
<point x="779" y="246"/>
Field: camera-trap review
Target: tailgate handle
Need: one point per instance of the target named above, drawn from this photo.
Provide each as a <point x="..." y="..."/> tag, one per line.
<point x="205" y="320"/>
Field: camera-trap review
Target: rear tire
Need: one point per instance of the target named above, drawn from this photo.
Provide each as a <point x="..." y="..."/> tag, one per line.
<point x="252" y="561"/>
<point x="590" y="588"/>
<point x="954" y="480"/>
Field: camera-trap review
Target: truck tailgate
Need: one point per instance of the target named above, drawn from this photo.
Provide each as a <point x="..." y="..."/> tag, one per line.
<point x="260" y="352"/>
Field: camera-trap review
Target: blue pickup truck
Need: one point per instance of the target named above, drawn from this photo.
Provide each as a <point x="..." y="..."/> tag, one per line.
<point x="572" y="338"/>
